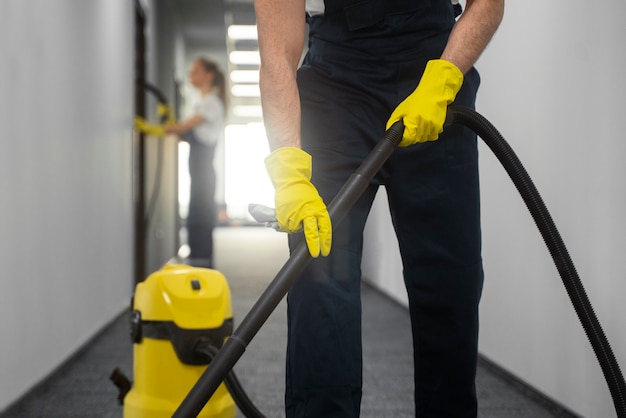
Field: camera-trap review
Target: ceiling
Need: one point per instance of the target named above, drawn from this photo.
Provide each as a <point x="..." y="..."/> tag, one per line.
<point x="204" y="21"/>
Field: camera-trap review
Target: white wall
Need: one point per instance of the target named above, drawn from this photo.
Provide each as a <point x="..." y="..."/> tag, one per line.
<point x="554" y="85"/>
<point x="66" y="233"/>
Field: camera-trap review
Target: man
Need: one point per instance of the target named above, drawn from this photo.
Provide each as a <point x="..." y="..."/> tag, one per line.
<point x="369" y="64"/>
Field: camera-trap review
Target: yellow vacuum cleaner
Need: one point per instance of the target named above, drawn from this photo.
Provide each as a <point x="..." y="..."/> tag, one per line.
<point x="179" y="314"/>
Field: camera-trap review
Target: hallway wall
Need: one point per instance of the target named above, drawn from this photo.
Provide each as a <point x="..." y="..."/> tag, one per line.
<point x="66" y="232"/>
<point x="553" y="84"/>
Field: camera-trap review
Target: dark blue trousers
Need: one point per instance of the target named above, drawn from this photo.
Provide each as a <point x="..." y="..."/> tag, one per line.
<point x="347" y="94"/>
<point x="202" y="209"/>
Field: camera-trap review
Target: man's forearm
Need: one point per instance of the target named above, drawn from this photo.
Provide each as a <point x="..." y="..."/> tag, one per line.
<point x="281" y="107"/>
<point x="472" y="32"/>
<point x="281" y="27"/>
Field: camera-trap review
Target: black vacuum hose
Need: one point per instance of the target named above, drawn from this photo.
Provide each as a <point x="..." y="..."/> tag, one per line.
<point x="241" y="398"/>
<point x="511" y="163"/>
<point x="158" y="172"/>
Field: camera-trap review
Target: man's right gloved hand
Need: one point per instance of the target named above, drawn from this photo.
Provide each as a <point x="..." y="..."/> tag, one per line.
<point x="298" y="204"/>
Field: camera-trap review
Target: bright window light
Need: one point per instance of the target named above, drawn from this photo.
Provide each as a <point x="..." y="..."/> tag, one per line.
<point x="242" y="32"/>
<point x="184" y="179"/>
<point x="245" y="178"/>
<point x="244" y="76"/>
<point x="245" y="57"/>
<point x="248" y="111"/>
<point x="245" y="90"/>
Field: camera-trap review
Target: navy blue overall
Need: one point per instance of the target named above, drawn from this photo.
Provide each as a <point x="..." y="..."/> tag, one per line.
<point x="362" y="62"/>
<point x="202" y="214"/>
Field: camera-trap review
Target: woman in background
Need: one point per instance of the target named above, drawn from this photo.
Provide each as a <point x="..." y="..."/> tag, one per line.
<point x="202" y="130"/>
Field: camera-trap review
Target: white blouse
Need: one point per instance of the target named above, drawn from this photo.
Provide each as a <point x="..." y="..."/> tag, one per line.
<point x="211" y="109"/>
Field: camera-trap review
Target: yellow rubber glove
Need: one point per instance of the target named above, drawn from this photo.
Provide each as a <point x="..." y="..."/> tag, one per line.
<point x="424" y="111"/>
<point x="165" y="113"/>
<point x="148" y="128"/>
<point x="298" y="204"/>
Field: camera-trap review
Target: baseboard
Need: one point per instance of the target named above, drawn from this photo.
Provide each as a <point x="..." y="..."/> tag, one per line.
<point x="527" y="390"/>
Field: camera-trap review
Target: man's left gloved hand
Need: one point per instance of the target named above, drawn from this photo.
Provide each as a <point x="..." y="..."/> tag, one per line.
<point x="424" y="111"/>
<point x="149" y="128"/>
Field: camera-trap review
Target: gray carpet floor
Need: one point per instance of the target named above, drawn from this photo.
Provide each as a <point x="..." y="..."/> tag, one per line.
<point x="250" y="258"/>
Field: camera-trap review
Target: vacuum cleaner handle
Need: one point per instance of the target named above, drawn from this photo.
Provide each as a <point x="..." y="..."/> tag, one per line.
<point x="236" y="344"/>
